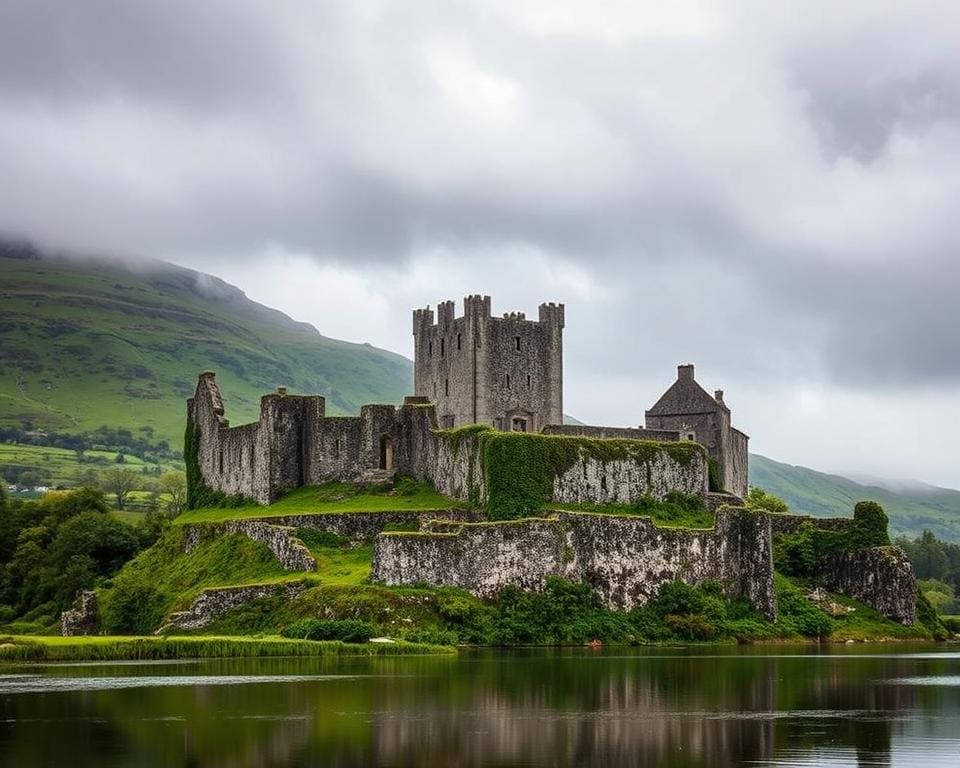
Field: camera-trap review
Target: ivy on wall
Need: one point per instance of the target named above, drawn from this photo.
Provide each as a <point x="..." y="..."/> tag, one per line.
<point x="199" y="494"/>
<point x="519" y="468"/>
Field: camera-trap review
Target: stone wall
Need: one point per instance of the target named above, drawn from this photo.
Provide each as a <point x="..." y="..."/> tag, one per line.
<point x="280" y="539"/>
<point x="626" y="559"/>
<point x="212" y="603"/>
<point x="881" y="577"/>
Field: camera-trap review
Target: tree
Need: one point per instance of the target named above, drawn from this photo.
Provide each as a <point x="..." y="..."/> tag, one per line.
<point x="757" y="498"/>
<point x="120" y="481"/>
<point x="174" y="486"/>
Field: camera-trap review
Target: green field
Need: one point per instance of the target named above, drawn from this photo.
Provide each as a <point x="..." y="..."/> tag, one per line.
<point x="95" y="342"/>
<point x="331" y="498"/>
<point x="59" y="466"/>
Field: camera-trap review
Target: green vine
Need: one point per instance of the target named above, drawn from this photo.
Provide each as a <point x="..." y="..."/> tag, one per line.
<point x="199" y="494"/>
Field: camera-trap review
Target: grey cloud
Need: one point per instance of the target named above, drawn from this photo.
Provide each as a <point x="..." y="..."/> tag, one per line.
<point x="700" y="179"/>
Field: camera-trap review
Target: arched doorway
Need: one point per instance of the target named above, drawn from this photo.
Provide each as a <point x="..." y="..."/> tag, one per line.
<point x="386" y="452"/>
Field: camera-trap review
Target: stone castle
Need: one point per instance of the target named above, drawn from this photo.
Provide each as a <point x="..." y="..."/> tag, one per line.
<point x="506" y="375"/>
<point x="505" y="372"/>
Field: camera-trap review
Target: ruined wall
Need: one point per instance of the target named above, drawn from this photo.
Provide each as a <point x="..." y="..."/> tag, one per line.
<point x="214" y="602"/>
<point x="881" y="577"/>
<point x="625" y="559"/>
<point x="737" y="470"/>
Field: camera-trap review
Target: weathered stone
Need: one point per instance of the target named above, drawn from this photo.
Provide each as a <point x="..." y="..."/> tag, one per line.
<point x="281" y="540"/>
<point x="212" y="603"/>
<point x="880" y="577"/>
<point x="82" y="618"/>
<point x="626" y="559"/>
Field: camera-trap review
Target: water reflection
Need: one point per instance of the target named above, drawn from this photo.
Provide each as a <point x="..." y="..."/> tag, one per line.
<point x="668" y="708"/>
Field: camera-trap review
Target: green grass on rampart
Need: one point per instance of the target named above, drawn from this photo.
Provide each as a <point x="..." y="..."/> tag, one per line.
<point x="332" y="498"/>
<point x="21" y="648"/>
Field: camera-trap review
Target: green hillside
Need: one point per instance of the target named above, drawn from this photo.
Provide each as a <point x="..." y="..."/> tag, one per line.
<point x="822" y="495"/>
<point x="94" y="342"/>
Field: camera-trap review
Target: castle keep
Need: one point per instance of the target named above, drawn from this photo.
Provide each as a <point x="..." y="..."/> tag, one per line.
<point x="506" y="372"/>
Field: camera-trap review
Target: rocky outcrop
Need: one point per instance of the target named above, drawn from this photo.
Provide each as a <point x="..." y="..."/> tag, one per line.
<point x="212" y="603"/>
<point x="81" y="619"/>
<point x="625" y="558"/>
<point x="881" y="577"/>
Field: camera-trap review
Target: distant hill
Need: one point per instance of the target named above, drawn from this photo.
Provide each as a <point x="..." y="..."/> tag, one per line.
<point x="912" y="507"/>
<point x="91" y="342"/>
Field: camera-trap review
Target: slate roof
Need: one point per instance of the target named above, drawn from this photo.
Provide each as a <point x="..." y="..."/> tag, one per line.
<point x="685" y="396"/>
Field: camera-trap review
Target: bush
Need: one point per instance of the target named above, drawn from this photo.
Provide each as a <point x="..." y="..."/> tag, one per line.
<point x="132" y="607"/>
<point x="694" y="626"/>
<point x="757" y="498"/>
<point x="315" y="539"/>
<point x="346" y="630"/>
<point x="677" y="598"/>
<point x="799" y="615"/>
<point x="869" y="527"/>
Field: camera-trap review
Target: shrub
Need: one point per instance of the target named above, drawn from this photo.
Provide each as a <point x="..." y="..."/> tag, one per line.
<point x="694" y="626"/>
<point x="132" y="607"/>
<point x="869" y="528"/>
<point x="757" y="498"/>
<point x="799" y="615"/>
<point x="347" y="630"/>
<point x="677" y="598"/>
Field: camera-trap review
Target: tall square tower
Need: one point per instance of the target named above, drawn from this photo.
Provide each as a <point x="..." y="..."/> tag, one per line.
<point x="506" y="372"/>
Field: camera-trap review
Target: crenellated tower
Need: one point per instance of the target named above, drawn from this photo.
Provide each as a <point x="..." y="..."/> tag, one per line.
<point x="479" y="369"/>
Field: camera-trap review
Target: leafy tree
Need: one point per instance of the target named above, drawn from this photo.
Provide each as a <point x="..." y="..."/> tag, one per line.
<point x="174" y="486"/>
<point x="757" y="498"/>
<point x="120" y="481"/>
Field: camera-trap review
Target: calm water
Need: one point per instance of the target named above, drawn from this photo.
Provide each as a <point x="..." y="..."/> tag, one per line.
<point x="888" y="706"/>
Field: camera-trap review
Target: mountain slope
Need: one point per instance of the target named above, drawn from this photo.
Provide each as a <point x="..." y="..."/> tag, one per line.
<point x="91" y="342"/>
<point x="912" y="508"/>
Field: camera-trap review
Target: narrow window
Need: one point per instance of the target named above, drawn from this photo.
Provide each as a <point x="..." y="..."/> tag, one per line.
<point x="508" y="381"/>
<point x="430" y="349"/>
<point x="442" y="346"/>
<point x="221" y="461"/>
<point x="336" y="448"/>
<point x="446" y="386"/>
<point x="517" y="340"/>
<point x="434" y="389"/>
<point x="458" y="342"/>
<point x="528" y="381"/>
<point x="603" y="483"/>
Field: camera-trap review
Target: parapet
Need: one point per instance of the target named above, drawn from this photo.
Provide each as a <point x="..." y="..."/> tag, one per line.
<point x="552" y="313"/>
<point x="477" y="306"/>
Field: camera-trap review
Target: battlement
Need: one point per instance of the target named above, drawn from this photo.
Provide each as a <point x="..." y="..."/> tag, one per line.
<point x="478" y="307"/>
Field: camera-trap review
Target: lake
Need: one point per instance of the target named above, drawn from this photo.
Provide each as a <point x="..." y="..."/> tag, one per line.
<point x="885" y="705"/>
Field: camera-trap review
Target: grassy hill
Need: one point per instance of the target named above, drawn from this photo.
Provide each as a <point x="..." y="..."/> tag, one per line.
<point x="91" y="342"/>
<point x="911" y="509"/>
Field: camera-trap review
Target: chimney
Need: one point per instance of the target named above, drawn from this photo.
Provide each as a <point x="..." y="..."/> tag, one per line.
<point x="281" y="391"/>
<point x="685" y="371"/>
<point x="718" y="396"/>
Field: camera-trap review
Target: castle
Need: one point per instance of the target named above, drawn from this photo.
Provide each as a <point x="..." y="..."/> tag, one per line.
<point x="505" y="372"/>
<point x="485" y="427"/>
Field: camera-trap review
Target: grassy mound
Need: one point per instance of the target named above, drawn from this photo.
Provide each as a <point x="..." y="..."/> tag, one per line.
<point x="335" y="497"/>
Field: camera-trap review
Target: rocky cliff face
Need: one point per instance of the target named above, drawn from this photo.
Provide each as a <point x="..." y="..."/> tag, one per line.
<point x="881" y="577"/>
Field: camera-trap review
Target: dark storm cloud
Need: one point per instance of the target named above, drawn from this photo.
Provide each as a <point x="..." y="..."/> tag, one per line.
<point x="778" y="186"/>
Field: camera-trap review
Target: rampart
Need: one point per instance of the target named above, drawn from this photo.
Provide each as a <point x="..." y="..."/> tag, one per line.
<point x="625" y="558"/>
<point x="513" y="473"/>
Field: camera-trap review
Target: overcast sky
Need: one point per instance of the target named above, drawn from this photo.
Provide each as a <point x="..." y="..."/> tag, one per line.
<point x="772" y="194"/>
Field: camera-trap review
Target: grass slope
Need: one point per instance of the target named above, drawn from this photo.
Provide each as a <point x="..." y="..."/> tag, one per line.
<point x="85" y="343"/>
<point x="331" y="498"/>
<point x="823" y="495"/>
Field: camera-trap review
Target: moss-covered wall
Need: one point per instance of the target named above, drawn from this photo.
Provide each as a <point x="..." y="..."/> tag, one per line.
<point x="625" y="559"/>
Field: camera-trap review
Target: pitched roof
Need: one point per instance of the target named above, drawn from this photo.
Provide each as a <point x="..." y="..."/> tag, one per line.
<point x="685" y="396"/>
